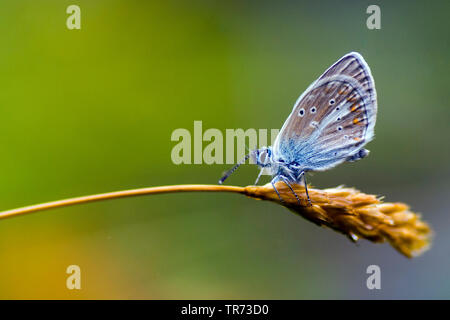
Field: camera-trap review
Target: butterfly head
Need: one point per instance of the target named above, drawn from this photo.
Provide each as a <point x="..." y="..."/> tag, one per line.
<point x="263" y="157"/>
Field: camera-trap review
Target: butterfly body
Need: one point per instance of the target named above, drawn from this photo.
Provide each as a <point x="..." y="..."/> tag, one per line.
<point x="330" y="123"/>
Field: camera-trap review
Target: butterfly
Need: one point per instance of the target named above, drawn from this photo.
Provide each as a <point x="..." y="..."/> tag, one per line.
<point x="330" y="123"/>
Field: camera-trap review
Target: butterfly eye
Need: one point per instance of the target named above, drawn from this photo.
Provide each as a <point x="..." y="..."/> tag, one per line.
<point x="332" y="101"/>
<point x="263" y="158"/>
<point x="301" y="112"/>
<point x="313" y="110"/>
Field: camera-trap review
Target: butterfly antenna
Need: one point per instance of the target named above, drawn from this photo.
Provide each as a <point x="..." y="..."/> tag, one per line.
<point x="229" y="172"/>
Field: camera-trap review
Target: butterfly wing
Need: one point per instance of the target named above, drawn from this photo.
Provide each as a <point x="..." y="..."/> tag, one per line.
<point x="333" y="119"/>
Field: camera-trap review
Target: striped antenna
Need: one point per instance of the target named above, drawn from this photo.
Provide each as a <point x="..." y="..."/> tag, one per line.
<point x="229" y="172"/>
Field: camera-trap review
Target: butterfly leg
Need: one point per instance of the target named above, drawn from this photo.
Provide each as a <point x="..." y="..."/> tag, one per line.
<point x="259" y="176"/>
<point x="286" y="181"/>
<point x="306" y="186"/>
<point x="275" y="188"/>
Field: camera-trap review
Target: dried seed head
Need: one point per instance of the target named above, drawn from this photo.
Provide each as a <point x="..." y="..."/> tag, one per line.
<point x="355" y="214"/>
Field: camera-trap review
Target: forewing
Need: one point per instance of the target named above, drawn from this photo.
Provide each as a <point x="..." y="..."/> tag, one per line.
<point x="333" y="119"/>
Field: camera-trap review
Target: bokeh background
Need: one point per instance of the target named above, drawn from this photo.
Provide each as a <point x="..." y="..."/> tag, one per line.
<point x="92" y="110"/>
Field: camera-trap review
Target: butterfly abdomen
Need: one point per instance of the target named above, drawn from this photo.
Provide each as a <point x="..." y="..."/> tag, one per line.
<point x="359" y="155"/>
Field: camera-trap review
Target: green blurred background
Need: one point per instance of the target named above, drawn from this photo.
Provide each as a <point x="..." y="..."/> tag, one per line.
<point x="92" y="110"/>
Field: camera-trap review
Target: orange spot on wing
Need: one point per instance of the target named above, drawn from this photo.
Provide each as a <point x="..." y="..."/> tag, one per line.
<point x="352" y="99"/>
<point x="356" y="121"/>
<point x="354" y="107"/>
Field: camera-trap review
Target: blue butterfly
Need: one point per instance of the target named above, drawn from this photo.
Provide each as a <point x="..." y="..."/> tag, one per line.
<point x="330" y="123"/>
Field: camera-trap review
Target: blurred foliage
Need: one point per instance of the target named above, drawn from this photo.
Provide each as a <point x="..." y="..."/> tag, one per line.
<point x="92" y="110"/>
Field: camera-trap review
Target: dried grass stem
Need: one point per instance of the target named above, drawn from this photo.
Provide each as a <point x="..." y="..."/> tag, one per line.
<point x="346" y="210"/>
